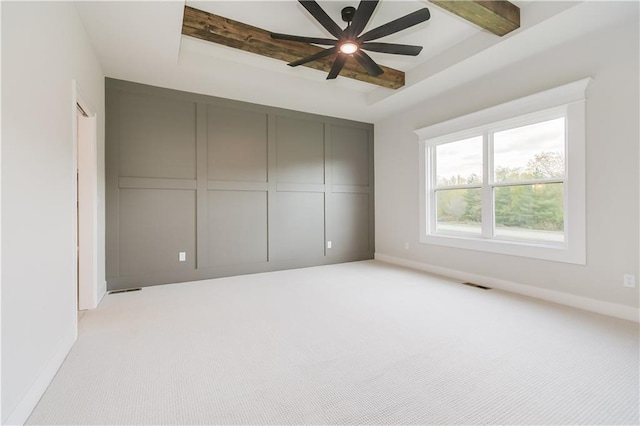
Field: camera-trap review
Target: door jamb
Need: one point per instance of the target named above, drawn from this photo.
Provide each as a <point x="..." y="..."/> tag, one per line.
<point x="86" y="218"/>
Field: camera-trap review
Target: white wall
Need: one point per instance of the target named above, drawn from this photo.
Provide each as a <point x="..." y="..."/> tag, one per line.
<point x="611" y="57"/>
<point x="44" y="48"/>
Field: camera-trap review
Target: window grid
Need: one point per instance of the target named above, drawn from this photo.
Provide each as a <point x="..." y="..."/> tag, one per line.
<point x="487" y="193"/>
<point x="488" y="184"/>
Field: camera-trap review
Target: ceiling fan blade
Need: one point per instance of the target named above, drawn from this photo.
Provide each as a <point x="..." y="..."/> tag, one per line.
<point x="321" y="16"/>
<point x="313" y="40"/>
<point x="397" y="25"/>
<point x="396" y="49"/>
<point x="368" y="63"/>
<point x="362" y="16"/>
<point x="337" y="66"/>
<point x="319" y="55"/>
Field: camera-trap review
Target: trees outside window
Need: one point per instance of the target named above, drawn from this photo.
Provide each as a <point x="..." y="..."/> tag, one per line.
<point x="525" y="166"/>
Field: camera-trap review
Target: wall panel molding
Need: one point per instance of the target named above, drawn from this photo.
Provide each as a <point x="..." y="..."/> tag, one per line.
<point x="238" y="188"/>
<point x="155" y="183"/>
<point x="355" y="189"/>
<point x="218" y="185"/>
<point x="301" y="187"/>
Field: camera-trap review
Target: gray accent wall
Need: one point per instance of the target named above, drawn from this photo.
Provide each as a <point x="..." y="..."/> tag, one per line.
<point x="240" y="188"/>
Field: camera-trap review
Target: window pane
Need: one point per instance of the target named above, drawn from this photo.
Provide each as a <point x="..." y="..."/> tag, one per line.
<point x="460" y="162"/>
<point x="529" y="152"/>
<point x="530" y="212"/>
<point x="458" y="211"/>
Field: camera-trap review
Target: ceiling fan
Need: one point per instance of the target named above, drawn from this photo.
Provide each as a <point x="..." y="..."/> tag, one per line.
<point x="349" y="42"/>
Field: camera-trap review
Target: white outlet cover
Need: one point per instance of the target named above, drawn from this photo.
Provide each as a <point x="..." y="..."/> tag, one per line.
<point x="182" y="256"/>
<point x="328" y="244"/>
<point x="629" y="281"/>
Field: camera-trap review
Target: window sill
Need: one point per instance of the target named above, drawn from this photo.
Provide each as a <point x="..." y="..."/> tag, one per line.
<point x="553" y="252"/>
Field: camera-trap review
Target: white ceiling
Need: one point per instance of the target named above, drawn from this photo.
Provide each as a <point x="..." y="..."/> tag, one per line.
<point x="142" y="42"/>
<point x="291" y="18"/>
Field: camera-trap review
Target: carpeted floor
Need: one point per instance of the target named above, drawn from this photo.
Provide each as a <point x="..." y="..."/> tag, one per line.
<point x="355" y="343"/>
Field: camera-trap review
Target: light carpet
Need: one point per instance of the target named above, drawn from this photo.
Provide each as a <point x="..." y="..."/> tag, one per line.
<point x="355" y="343"/>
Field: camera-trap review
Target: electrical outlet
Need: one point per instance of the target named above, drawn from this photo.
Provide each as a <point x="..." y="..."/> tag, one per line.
<point x="182" y="256"/>
<point x="406" y="246"/>
<point x="629" y="280"/>
<point x="328" y="244"/>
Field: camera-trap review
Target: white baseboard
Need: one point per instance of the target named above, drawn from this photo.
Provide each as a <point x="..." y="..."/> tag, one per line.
<point x="23" y="410"/>
<point x="580" y="302"/>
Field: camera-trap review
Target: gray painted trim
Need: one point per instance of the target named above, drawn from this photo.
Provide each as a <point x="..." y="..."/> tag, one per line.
<point x="155" y="183"/>
<point x="372" y="209"/>
<point x="202" y="200"/>
<point x="272" y="185"/>
<point x="328" y="179"/>
<point x="356" y="189"/>
<point x="112" y="191"/>
<point x="301" y="187"/>
<point x="223" y="185"/>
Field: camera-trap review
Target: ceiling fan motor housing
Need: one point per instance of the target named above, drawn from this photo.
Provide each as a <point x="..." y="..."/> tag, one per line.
<point x="348" y="13"/>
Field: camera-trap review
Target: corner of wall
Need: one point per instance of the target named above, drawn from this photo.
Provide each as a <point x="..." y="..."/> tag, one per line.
<point x="102" y="291"/>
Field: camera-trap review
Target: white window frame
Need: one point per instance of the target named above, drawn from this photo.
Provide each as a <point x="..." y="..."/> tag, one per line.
<point x="568" y="101"/>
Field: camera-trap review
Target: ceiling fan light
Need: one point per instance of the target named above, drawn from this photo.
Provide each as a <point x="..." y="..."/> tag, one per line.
<point x="349" y="47"/>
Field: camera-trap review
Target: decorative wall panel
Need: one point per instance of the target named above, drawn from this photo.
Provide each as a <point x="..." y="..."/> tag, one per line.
<point x="238" y="188"/>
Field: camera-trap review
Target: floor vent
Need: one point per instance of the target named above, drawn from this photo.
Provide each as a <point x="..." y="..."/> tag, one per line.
<point x="125" y="290"/>
<point x="477" y="286"/>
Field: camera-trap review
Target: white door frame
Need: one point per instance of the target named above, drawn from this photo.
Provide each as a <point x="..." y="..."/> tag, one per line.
<point x="85" y="163"/>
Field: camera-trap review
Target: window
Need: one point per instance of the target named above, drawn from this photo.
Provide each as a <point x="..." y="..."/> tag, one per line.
<point x="509" y="185"/>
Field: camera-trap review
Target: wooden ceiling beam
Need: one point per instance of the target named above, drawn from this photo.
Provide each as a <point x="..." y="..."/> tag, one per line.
<point x="216" y="29"/>
<point x="499" y="17"/>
